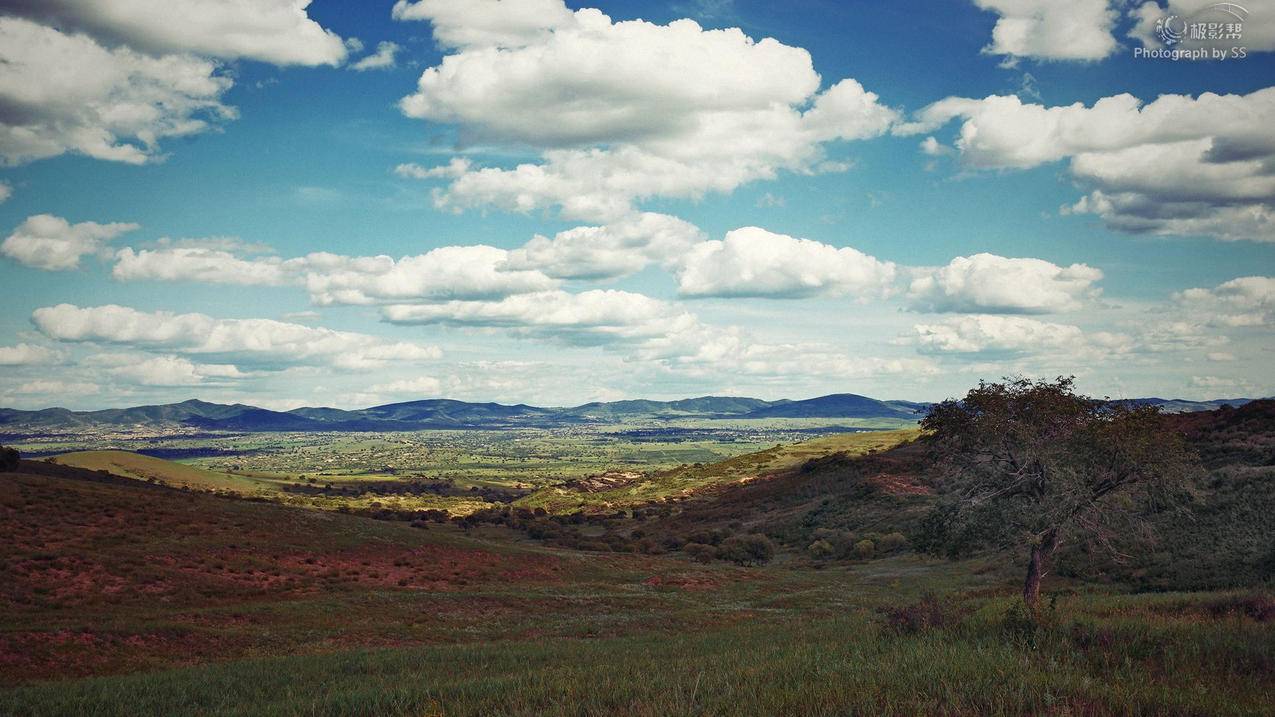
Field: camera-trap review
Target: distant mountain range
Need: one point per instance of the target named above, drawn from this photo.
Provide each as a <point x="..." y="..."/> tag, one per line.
<point x="445" y="413"/>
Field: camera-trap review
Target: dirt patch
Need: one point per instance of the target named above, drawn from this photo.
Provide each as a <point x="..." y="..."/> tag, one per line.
<point x="688" y="581"/>
<point x="898" y="484"/>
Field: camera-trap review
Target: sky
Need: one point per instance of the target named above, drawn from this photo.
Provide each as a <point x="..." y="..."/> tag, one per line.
<point x="289" y="203"/>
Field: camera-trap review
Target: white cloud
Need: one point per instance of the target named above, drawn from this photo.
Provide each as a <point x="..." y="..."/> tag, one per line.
<point x="645" y="330"/>
<point x="28" y="355"/>
<point x="52" y="243"/>
<point x="213" y="266"/>
<point x="486" y="23"/>
<point x="627" y="110"/>
<point x="66" y="93"/>
<point x="1258" y="33"/>
<point x="754" y="262"/>
<point x="452" y="272"/>
<point x="598" y="317"/>
<point x="453" y="169"/>
<point x="60" y="389"/>
<point x="262" y="341"/>
<point x="419" y="386"/>
<point x="623" y="247"/>
<point x="6" y="191"/>
<point x="173" y="371"/>
<point x="1177" y="165"/>
<point x="1051" y="30"/>
<point x="1245" y="301"/>
<point x="275" y="31"/>
<point x="987" y="283"/>
<point x="382" y="59"/>
<point x="977" y="334"/>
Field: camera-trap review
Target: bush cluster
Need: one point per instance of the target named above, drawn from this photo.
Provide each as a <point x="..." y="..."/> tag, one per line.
<point x="831" y="544"/>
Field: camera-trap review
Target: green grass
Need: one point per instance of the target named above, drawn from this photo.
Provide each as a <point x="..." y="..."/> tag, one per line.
<point x="687" y="479"/>
<point x="147" y="468"/>
<point x="840" y="664"/>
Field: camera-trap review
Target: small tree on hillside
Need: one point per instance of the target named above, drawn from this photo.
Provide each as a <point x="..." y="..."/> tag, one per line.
<point x="1030" y="464"/>
<point x="9" y="459"/>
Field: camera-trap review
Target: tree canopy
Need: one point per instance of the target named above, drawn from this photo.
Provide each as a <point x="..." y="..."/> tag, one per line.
<point x="1030" y="463"/>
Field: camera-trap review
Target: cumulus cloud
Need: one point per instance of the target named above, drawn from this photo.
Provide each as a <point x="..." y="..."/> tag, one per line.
<point x="598" y="317"/>
<point x="173" y="371"/>
<point x="991" y="284"/>
<point x="457" y="167"/>
<point x="624" y="110"/>
<point x="1001" y="334"/>
<point x="419" y="386"/>
<point x="754" y="262"/>
<point x="28" y="355"/>
<point x="52" y="243"/>
<point x="1050" y="30"/>
<point x="1179" y="165"/>
<point x="6" y="191"/>
<point x="275" y="31"/>
<point x="620" y="248"/>
<point x="382" y="59"/>
<point x="648" y="330"/>
<point x="452" y="272"/>
<point x="1258" y="32"/>
<point x="263" y="341"/>
<point x="60" y="389"/>
<point x="1246" y="301"/>
<point x="213" y="266"/>
<point x="66" y="93"/>
<point x="486" y="23"/>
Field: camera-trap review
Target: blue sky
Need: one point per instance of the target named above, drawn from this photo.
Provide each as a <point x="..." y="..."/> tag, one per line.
<point x="863" y="197"/>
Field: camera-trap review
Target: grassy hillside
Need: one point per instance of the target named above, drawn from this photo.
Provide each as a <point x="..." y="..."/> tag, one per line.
<point x="125" y="598"/>
<point x="631" y="489"/>
<point x="146" y="468"/>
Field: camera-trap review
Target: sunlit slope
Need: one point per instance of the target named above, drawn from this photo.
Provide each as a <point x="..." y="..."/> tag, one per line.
<point x="147" y="468"/>
<point x="685" y="480"/>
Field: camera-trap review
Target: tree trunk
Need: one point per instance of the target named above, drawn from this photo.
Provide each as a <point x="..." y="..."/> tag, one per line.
<point x="1035" y="569"/>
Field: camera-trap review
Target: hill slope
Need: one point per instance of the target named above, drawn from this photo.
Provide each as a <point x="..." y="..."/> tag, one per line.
<point x="839" y="405"/>
<point x="147" y="468"/>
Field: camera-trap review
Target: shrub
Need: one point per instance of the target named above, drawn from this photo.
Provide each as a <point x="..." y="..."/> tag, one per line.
<point x="752" y="549"/>
<point x="928" y="613"/>
<point x="863" y="550"/>
<point x="891" y="542"/>
<point x="821" y="550"/>
<point x="700" y="551"/>
<point x="1256" y="606"/>
<point x="9" y="458"/>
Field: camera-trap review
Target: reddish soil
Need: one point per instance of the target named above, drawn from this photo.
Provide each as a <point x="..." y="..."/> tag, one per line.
<point x="897" y="484"/>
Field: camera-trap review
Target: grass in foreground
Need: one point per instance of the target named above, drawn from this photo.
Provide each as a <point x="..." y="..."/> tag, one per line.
<point x="1102" y="655"/>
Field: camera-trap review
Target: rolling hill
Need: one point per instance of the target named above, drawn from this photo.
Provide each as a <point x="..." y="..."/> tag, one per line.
<point x="146" y="468"/>
<point x="452" y="414"/>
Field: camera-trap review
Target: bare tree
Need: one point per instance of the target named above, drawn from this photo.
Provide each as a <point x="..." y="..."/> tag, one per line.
<point x="1032" y="464"/>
